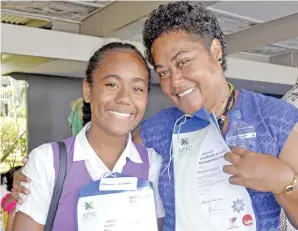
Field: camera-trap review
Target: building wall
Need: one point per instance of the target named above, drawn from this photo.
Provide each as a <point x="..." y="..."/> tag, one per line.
<point x="156" y="101"/>
<point x="48" y="107"/>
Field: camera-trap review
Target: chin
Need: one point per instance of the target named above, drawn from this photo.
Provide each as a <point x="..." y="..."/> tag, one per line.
<point x="120" y="127"/>
<point x="120" y="131"/>
<point x="116" y="132"/>
<point x="189" y="109"/>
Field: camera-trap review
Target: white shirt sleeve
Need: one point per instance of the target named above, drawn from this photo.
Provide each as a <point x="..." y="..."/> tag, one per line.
<point x="40" y="169"/>
<point x="155" y="161"/>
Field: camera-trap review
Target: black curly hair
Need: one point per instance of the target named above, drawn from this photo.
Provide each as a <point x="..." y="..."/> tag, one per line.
<point x="190" y="17"/>
<point x="94" y="63"/>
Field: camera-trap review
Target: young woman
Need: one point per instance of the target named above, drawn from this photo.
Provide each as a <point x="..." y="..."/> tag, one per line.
<point x="115" y="96"/>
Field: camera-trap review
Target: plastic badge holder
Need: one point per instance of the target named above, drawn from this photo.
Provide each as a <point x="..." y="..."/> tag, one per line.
<point x="117" y="202"/>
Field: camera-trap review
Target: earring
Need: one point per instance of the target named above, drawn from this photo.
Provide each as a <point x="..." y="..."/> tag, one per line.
<point x="220" y="60"/>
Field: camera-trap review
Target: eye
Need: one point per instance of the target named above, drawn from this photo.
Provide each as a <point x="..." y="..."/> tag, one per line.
<point x="162" y="73"/>
<point x="137" y="89"/>
<point x="111" y="85"/>
<point x="183" y="62"/>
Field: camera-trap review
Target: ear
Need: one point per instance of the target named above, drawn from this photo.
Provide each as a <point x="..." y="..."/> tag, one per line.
<point x="215" y="49"/>
<point x="86" y="91"/>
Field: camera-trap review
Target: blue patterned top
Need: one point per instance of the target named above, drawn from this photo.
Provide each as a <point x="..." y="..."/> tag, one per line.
<point x="273" y="120"/>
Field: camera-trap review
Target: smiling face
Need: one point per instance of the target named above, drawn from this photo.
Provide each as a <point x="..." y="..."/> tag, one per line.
<point x="190" y="74"/>
<point x="118" y="93"/>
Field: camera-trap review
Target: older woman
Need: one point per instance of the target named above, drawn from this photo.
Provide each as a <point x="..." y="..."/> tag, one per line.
<point x="186" y="46"/>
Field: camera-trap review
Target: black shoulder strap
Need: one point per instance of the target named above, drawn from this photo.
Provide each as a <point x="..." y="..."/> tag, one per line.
<point x="58" y="186"/>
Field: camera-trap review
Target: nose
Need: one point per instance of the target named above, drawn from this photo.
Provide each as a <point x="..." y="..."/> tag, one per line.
<point x="176" y="80"/>
<point x="123" y="96"/>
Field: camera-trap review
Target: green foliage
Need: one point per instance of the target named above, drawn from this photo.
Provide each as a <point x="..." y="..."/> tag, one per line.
<point x="13" y="140"/>
<point x="13" y="136"/>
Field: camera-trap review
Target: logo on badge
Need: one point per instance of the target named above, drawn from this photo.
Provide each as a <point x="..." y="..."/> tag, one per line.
<point x="238" y="205"/>
<point x="89" y="210"/>
<point x="184" y="145"/>
<point x="89" y="205"/>
<point x="247" y="220"/>
<point x="184" y="141"/>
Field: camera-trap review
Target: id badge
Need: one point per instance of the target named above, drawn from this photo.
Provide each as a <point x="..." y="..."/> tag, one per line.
<point x="117" y="202"/>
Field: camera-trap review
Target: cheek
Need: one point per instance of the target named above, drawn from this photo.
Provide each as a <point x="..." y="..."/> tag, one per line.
<point x="165" y="85"/>
<point x="202" y="76"/>
<point x="100" y="99"/>
<point x="140" y="103"/>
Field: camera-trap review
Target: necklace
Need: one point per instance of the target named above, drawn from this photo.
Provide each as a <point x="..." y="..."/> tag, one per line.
<point x="228" y="107"/>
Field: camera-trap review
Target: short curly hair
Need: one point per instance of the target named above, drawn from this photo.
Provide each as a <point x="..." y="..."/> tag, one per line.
<point x="190" y="17"/>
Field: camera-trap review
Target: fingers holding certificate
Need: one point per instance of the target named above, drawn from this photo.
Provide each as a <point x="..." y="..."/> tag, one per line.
<point x="256" y="170"/>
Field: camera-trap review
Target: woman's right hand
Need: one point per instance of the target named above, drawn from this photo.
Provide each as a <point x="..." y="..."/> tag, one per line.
<point x="17" y="187"/>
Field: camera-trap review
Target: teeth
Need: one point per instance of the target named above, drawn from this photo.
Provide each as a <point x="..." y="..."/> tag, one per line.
<point x="120" y="114"/>
<point x="187" y="92"/>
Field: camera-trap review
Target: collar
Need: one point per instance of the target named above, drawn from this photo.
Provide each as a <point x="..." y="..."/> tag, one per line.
<point x="200" y="118"/>
<point x="84" y="151"/>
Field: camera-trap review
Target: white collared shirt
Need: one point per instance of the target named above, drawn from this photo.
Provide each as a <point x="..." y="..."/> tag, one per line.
<point x="40" y="169"/>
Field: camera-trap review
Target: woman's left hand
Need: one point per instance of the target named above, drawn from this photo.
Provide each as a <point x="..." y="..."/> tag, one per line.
<point x="257" y="171"/>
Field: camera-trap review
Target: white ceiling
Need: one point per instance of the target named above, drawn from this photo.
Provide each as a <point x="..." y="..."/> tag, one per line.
<point x="237" y="16"/>
<point x="66" y="68"/>
<point x="271" y="50"/>
<point x="262" y="11"/>
<point x="64" y="10"/>
<point x="234" y="17"/>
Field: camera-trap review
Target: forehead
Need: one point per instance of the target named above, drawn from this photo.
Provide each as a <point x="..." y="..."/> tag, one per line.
<point x="120" y="57"/>
<point x="122" y="62"/>
<point x="170" y="43"/>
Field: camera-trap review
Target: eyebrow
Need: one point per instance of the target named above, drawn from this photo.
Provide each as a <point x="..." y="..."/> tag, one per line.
<point x="172" y="59"/>
<point x="109" y="76"/>
<point x="177" y="54"/>
<point x="137" y="79"/>
<point x="158" y="66"/>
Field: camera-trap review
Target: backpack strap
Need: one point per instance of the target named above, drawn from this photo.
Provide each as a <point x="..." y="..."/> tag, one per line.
<point x="58" y="188"/>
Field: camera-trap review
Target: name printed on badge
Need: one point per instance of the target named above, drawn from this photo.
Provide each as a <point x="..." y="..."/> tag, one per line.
<point x="121" y="183"/>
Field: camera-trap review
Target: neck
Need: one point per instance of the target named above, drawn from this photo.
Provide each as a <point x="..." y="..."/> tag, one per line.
<point x="108" y="147"/>
<point x="220" y="105"/>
